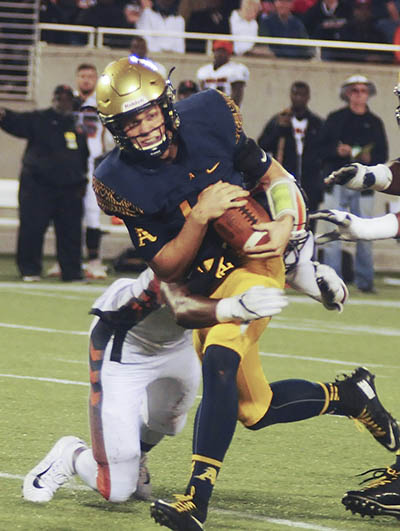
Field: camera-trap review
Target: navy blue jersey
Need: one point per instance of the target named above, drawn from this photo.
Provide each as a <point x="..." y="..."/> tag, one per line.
<point x="154" y="198"/>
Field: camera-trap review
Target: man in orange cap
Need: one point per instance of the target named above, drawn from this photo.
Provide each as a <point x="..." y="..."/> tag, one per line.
<point x="223" y="74"/>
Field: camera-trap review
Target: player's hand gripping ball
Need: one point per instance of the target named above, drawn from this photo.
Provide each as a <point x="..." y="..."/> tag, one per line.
<point x="235" y="226"/>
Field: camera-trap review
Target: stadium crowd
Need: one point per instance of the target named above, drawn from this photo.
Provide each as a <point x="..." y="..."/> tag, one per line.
<point x="369" y="21"/>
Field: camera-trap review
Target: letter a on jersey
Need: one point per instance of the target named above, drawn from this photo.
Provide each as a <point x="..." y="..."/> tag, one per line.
<point x="144" y="235"/>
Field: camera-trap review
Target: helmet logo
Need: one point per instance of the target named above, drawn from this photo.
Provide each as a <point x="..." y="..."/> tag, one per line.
<point x="128" y="105"/>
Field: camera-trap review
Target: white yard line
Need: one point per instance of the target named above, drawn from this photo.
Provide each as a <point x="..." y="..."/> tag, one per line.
<point x="43" y="286"/>
<point x="42" y="379"/>
<point x="305" y="325"/>
<point x="276" y="521"/>
<point x="95" y="289"/>
<point x="40" y="329"/>
<point x="328" y="360"/>
<point x="321" y="326"/>
<point x="248" y="516"/>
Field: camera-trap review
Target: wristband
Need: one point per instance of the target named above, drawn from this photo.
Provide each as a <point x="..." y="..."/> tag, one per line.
<point x="281" y="195"/>
<point x="380" y="228"/>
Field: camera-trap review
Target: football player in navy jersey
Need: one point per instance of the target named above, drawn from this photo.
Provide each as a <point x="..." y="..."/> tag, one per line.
<point x="174" y="170"/>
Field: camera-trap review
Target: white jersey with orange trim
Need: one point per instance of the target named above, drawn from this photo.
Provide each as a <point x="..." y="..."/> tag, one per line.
<point x="222" y="77"/>
<point x="144" y="379"/>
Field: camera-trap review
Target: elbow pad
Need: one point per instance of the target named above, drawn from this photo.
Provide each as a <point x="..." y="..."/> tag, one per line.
<point x="252" y="161"/>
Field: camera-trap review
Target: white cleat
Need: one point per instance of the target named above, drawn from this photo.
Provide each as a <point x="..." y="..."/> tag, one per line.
<point x="54" y="470"/>
<point x="95" y="269"/>
<point x="143" y="487"/>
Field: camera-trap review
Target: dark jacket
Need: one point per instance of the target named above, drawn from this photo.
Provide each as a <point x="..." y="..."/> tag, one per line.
<point x="322" y="24"/>
<point x="310" y="179"/>
<point x="56" y="153"/>
<point x="366" y="131"/>
<point x="273" y="26"/>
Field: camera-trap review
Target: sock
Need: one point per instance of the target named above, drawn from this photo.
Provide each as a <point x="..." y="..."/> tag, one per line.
<point x="146" y="447"/>
<point x="93" y="237"/>
<point x="86" y="468"/>
<point x="293" y="400"/>
<point x="345" y="399"/>
<point x="215" y="422"/>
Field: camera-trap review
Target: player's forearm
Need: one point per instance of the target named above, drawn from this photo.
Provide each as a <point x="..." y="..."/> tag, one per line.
<point x="380" y="228"/>
<point x="190" y="311"/>
<point x="172" y="262"/>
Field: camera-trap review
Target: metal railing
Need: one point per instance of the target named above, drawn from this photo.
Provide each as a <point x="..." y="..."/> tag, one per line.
<point x="96" y="38"/>
<point x="19" y="34"/>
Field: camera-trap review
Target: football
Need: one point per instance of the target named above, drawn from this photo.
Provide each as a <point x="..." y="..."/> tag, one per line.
<point x="235" y="226"/>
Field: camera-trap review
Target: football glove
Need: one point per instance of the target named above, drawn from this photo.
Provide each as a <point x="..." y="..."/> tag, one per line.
<point x="334" y="292"/>
<point x="352" y="228"/>
<point x="356" y="176"/>
<point x="255" y="303"/>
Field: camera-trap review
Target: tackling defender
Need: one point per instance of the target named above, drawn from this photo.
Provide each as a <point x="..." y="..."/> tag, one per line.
<point x="174" y="170"/>
<point x="144" y="376"/>
<point x="382" y="496"/>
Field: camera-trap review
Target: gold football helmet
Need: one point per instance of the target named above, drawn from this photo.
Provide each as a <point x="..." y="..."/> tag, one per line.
<point x="127" y="87"/>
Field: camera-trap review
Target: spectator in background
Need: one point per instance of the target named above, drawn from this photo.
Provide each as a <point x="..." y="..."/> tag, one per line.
<point x="223" y="74"/>
<point x="214" y="19"/>
<point x="291" y="138"/>
<point x="353" y="134"/>
<point x="58" y="12"/>
<point x="52" y="184"/>
<point x="138" y="47"/>
<point x="283" y="23"/>
<point x="267" y="8"/>
<point x="108" y="14"/>
<point x="85" y="101"/>
<point x="186" y="88"/>
<point x="362" y="28"/>
<point x="89" y="122"/>
<point x="387" y="16"/>
<point x="163" y="16"/>
<point x="325" y="20"/>
<point x="243" y="22"/>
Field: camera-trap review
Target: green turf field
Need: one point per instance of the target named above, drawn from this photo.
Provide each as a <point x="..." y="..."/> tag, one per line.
<point x="287" y="476"/>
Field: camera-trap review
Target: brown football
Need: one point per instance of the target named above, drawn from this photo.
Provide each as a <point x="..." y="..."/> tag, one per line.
<point x="235" y="226"/>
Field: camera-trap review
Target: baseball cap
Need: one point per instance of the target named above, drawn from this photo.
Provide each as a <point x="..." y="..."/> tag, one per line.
<point x="227" y="45"/>
<point x="63" y="89"/>
<point x="186" y="86"/>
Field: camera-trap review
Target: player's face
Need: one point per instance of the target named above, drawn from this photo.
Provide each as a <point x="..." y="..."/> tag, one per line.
<point x="86" y="80"/>
<point x="145" y="129"/>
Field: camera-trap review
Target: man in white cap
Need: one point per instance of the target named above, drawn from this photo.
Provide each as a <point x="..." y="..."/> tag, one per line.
<point x="353" y="134"/>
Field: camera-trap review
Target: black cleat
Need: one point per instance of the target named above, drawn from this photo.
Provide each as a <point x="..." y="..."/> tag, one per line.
<point x="361" y="402"/>
<point x="181" y="515"/>
<point x="380" y="498"/>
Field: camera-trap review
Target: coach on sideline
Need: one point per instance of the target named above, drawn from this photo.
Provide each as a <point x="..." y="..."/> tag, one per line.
<point x="52" y="184"/>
